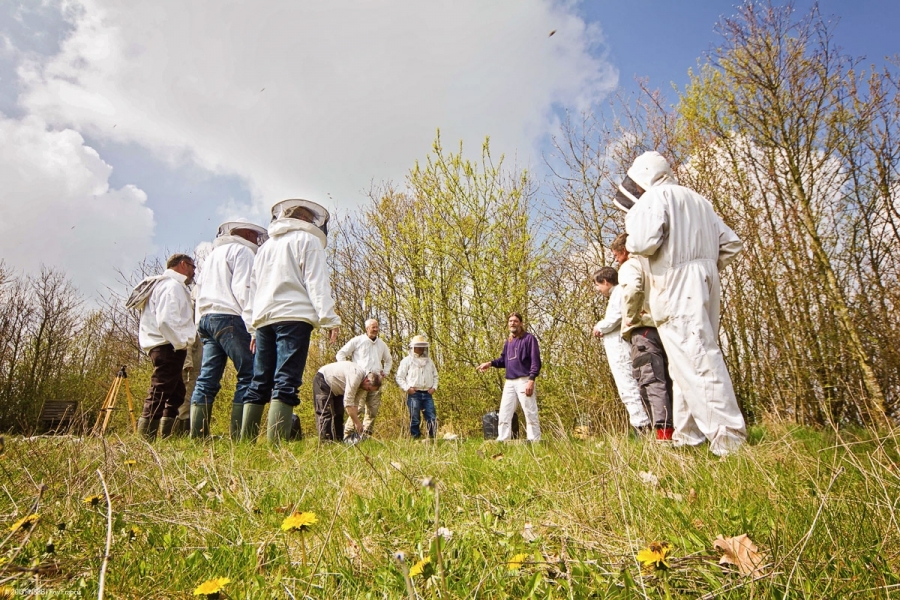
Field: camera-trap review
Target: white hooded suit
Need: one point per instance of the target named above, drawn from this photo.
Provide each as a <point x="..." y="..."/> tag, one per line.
<point x="687" y="243"/>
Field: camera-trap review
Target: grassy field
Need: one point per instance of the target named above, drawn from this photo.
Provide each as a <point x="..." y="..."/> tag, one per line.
<point x="560" y="519"/>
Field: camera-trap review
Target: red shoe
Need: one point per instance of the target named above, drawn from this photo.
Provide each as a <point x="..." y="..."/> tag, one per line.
<point x="664" y="433"/>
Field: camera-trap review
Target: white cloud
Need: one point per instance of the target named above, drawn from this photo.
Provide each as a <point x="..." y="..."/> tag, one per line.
<point x="57" y="209"/>
<point x="316" y="98"/>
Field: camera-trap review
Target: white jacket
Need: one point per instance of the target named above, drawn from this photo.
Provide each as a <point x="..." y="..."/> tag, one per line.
<point x="674" y="226"/>
<point x="345" y="379"/>
<point x="612" y="319"/>
<point x="168" y="316"/>
<point x="290" y="278"/>
<point x="372" y="355"/>
<point x="417" y="372"/>
<point x="224" y="284"/>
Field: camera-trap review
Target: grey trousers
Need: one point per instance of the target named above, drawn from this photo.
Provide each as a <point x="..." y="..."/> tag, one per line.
<point x="651" y="370"/>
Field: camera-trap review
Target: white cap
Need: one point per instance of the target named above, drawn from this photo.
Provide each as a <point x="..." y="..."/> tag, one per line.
<point x="418" y="341"/>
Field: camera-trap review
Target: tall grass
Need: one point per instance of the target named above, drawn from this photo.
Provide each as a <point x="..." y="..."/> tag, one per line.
<point x="820" y="506"/>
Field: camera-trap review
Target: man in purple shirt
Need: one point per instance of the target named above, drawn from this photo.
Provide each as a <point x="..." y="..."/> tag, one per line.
<point x="521" y="357"/>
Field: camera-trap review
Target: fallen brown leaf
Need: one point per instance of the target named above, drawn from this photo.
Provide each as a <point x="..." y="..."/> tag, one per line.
<point x="741" y="552"/>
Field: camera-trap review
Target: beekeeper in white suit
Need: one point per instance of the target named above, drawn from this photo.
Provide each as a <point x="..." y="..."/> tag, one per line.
<point x="687" y="244"/>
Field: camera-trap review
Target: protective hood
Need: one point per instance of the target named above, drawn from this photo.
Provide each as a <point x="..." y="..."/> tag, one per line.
<point x="229" y="227"/>
<point x="650" y="169"/>
<point x="283" y="209"/>
<point x="280" y="227"/>
<point x="223" y="240"/>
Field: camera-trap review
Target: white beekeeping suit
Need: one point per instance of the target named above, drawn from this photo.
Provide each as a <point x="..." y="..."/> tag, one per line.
<point x="618" y="352"/>
<point x="687" y="243"/>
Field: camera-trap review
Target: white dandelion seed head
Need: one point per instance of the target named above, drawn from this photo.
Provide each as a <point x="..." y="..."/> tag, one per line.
<point x="399" y="556"/>
<point x="445" y="533"/>
<point x="428" y="482"/>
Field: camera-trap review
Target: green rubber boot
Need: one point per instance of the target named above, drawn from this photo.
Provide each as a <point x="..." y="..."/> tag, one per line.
<point x="279" y="421"/>
<point x="148" y="428"/>
<point x="182" y="427"/>
<point x="200" y="419"/>
<point x="166" y="424"/>
<point x="237" y="418"/>
<point x="250" y="419"/>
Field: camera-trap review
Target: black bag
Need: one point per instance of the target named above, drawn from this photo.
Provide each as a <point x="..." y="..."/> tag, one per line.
<point x="490" y="424"/>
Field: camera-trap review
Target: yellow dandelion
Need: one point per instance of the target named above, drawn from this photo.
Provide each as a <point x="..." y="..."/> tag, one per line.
<point x="516" y="562"/>
<point x="299" y="521"/>
<point x="211" y="587"/>
<point x="130" y="463"/>
<point x="24" y="523"/>
<point x="423" y="568"/>
<point x="93" y="500"/>
<point x="7" y="593"/>
<point x="655" y="555"/>
<point x="133" y="532"/>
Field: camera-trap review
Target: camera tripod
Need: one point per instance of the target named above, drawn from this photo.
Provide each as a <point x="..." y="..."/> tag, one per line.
<point x="109" y="404"/>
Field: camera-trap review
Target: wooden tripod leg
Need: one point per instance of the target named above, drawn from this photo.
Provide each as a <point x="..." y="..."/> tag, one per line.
<point x="104" y="408"/>
<point x="130" y="405"/>
<point x="112" y="405"/>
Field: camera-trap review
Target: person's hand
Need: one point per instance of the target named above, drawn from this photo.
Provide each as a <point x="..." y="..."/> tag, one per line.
<point x="431" y="391"/>
<point x="358" y="425"/>
<point x="333" y="335"/>
<point x="529" y="388"/>
<point x="597" y="333"/>
<point x="252" y="345"/>
<point x="411" y="391"/>
<point x="483" y="367"/>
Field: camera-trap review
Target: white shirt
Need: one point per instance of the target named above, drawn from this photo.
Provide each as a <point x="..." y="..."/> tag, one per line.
<point x="224" y="285"/>
<point x="372" y="355"/>
<point x="345" y="379"/>
<point x="168" y="316"/>
<point x="612" y="320"/>
<point x="417" y="372"/>
<point x="290" y="278"/>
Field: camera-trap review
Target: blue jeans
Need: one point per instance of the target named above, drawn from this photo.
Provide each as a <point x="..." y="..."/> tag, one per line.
<point x="421" y="401"/>
<point x="223" y="337"/>
<point x="281" y="351"/>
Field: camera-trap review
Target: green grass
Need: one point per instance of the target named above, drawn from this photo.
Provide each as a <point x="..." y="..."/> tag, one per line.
<point x="820" y="507"/>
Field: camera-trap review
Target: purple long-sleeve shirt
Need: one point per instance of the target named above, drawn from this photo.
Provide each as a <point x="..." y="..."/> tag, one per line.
<point x="521" y="357"/>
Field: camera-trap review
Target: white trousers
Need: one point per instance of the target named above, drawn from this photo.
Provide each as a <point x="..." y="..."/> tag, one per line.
<point x="706" y="407"/>
<point x="514" y="394"/>
<point x="618" y="353"/>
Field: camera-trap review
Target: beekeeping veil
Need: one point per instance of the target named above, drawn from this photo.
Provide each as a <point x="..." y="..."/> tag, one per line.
<point x="305" y="210"/>
<point x="649" y="169"/>
<point x="229" y="227"/>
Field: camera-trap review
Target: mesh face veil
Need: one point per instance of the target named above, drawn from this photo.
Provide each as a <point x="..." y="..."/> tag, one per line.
<point x="229" y="227"/>
<point x="286" y="208"/>
<point x="627" y="194"/>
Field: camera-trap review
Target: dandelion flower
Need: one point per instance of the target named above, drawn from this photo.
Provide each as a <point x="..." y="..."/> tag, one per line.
<point x="24" y="523"/>
<point x="299" y="521"/>
<point x="7" y="593"/>
<point x="515" y="563"/>
<point x="423" y="568"/>
<point x="133" y="532"/>
<point x="211" y="588"/>
<point x="655" y="555"/>
<point x="399" y="556"/>
<point x="93" y="500"/>
<point x="130" y="463"/>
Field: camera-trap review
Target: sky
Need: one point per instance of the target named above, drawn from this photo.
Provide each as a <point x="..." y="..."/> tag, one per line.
<point x="132" y="129"/>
